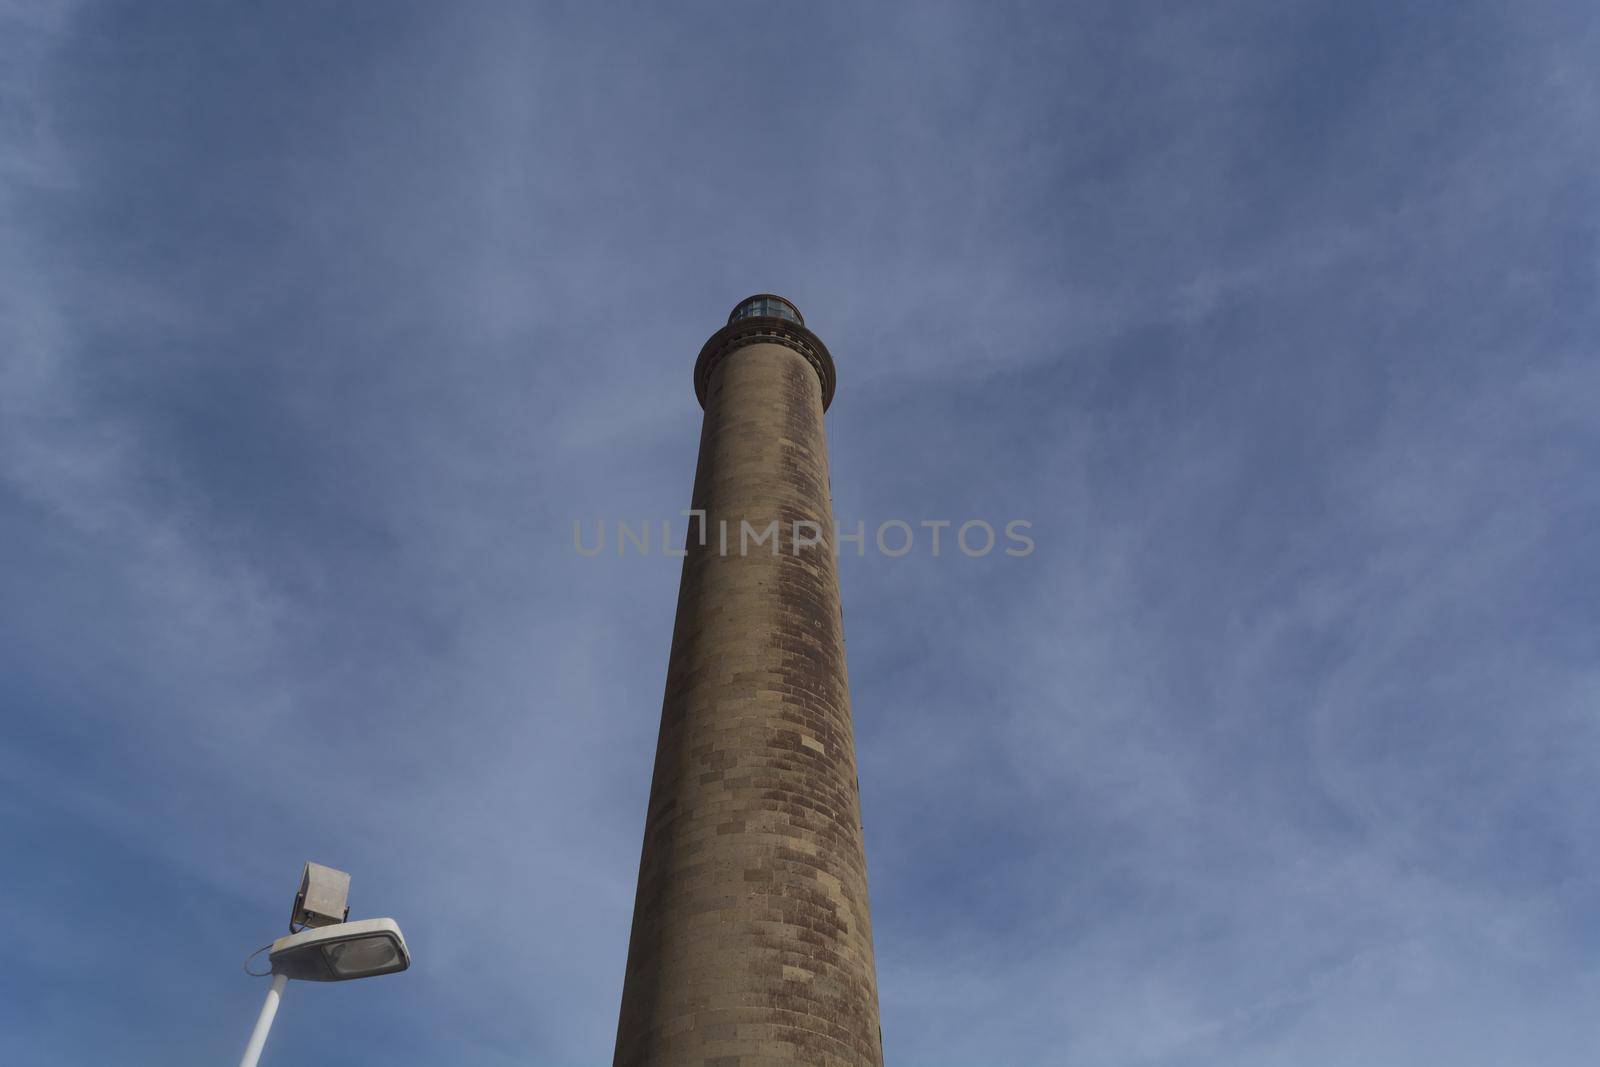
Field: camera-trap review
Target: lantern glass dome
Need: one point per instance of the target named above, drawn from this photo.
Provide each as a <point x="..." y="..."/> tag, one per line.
<point x="767" y="306"/>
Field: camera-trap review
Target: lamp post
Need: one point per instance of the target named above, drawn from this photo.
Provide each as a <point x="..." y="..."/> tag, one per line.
<point x="325" y="948"/>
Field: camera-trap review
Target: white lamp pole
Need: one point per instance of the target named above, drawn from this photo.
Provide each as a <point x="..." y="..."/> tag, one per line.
<point x="326" y="949"/>
<point x="269" y="1010"/>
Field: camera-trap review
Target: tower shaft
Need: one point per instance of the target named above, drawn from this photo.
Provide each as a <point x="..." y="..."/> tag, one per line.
<point x="751" y="941"/>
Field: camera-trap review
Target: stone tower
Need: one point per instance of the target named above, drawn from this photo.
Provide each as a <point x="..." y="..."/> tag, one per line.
<point x="751" y="943"/>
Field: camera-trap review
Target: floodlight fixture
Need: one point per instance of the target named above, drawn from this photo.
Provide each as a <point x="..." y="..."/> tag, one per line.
<point x="322" y="899"/>
<point x="325" y="948"/>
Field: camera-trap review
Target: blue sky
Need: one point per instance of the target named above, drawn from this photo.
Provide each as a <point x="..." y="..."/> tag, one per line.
<point x="320" y="324"/>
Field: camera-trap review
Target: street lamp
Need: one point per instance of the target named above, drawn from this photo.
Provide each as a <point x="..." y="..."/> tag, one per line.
<point x="326" y="948"/>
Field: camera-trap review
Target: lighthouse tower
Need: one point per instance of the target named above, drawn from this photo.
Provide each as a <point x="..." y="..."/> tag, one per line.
<point x="751" y="940"/>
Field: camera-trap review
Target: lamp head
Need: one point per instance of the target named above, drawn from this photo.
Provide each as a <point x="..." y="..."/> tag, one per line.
<point x="362" y="949"/>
